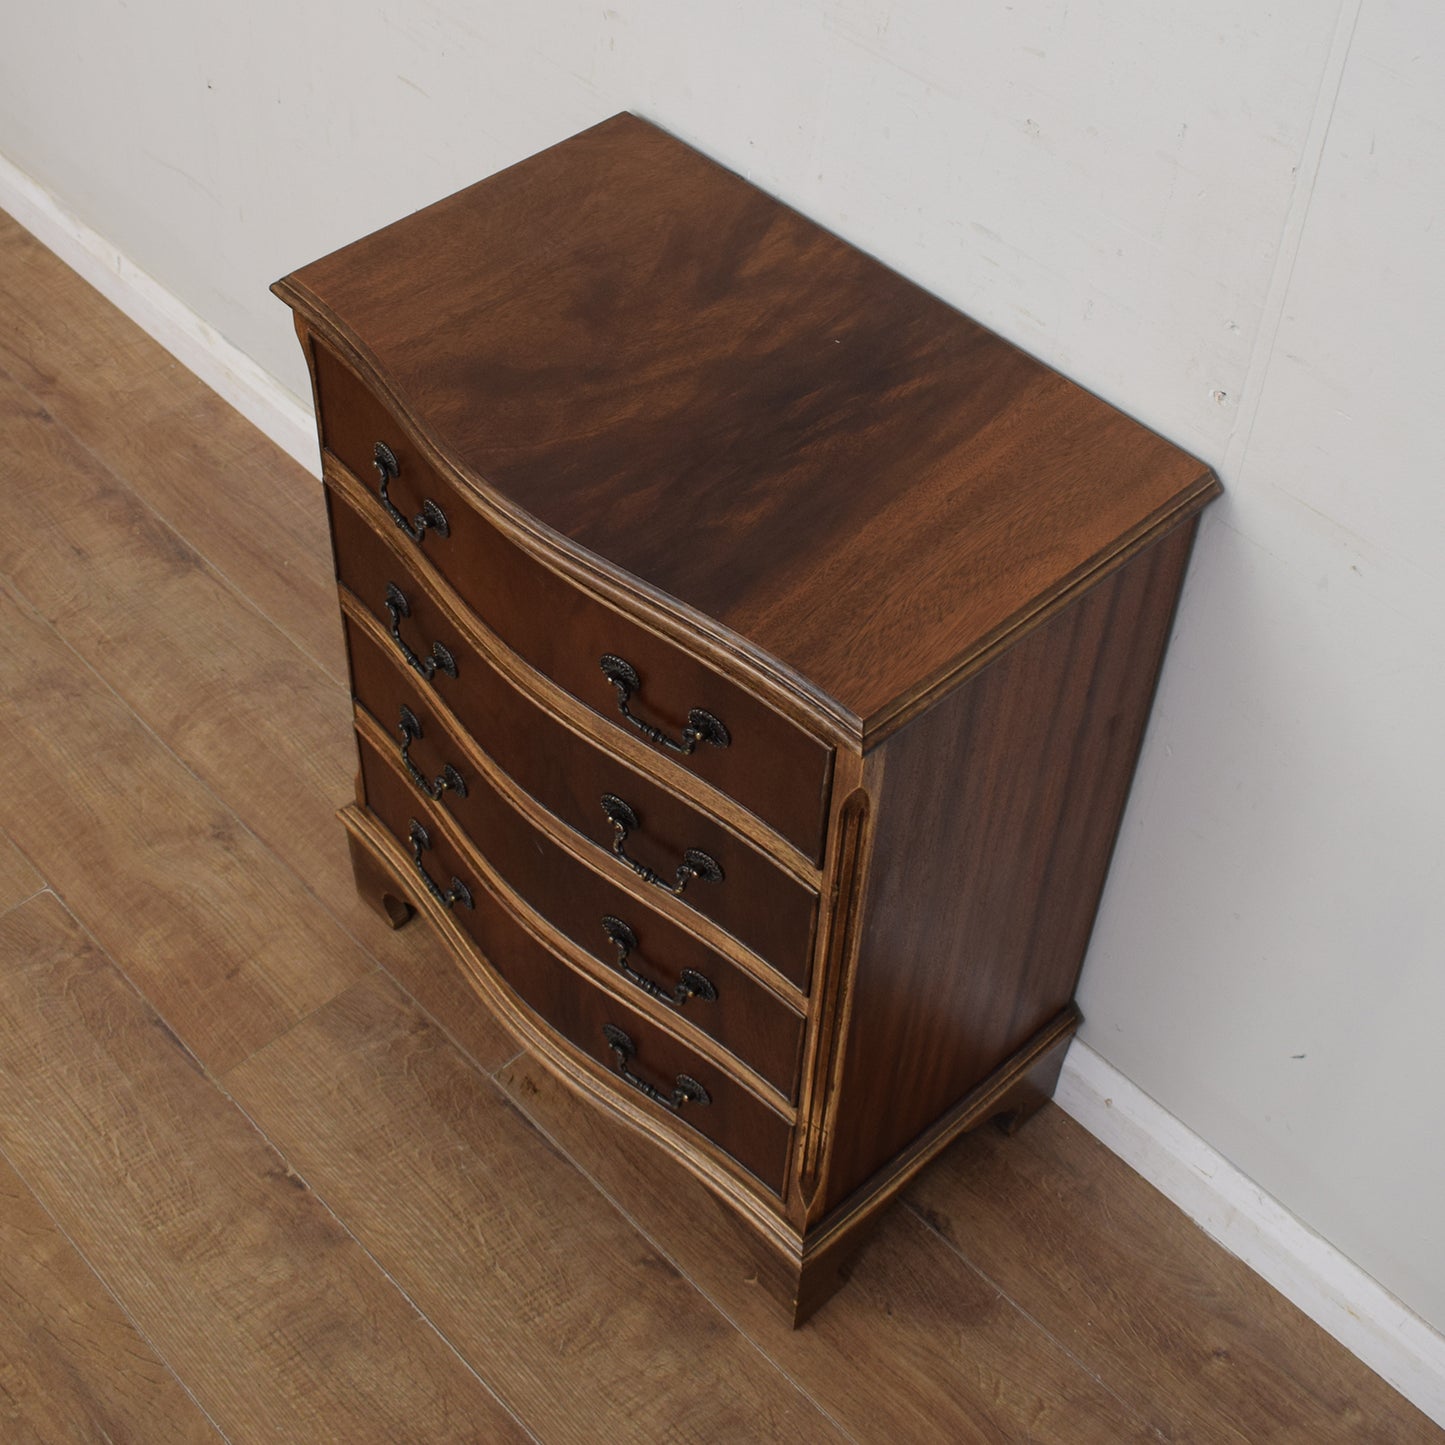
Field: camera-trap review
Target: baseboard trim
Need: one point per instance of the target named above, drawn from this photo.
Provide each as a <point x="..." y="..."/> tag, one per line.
<point x="1337" y="1294"/>
<point x="225" y="368"/>
<point x="1334" y="1292"/>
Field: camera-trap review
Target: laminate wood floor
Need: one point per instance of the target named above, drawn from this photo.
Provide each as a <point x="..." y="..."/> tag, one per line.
<point x="266" y="1173"/>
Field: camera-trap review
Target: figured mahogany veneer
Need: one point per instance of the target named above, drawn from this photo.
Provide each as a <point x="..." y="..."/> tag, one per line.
<point x="763" y="1029"/>
<point x="771" y="764"/>
<point x="645" y="488"/>
<point x="770" y="911"/>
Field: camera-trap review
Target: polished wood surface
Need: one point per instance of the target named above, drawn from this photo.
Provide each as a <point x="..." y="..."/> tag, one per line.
<point x="645" y="351"/>
<point x="770" y="764"/>
<point x="731" y="1004"/>
<point x="936" y="927"/>
<point x="1040" y="747"/>
<point x="770" y="911"/>
<point x="396" y="1128"/>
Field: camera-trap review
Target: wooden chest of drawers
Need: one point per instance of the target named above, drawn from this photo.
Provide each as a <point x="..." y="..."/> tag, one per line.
<point x="750" y="657"/>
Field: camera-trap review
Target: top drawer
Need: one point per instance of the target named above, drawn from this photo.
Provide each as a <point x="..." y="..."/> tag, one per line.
<point x="628" y="674"/>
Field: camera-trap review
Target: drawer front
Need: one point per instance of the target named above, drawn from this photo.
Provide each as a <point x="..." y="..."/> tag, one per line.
<point x="771" y="766"/>
<point x="585" y="1014"/>
<point x="755" y="899"/>
<point x="662" y="960"/>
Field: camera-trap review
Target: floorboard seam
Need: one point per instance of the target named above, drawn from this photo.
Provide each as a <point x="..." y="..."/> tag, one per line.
<point x="119" y="476"/>
<point x="82" y="663"/>
<point x="381" y="1269"/>
<point x="1025" y="1314"/>
<point x="642" y="1233"/>
<point x="29" y="898"/>
<point x="105" y="1284"/>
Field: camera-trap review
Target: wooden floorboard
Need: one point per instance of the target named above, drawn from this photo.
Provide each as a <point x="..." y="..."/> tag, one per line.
<point x="500" y="1242"/>
<point x="231" y="1266"/>
<point x="256" y="1179"/>
<point x="233" y="496"/>
<point x="1144" y="1299"/>
<point x="917" y="1346"/>
<point x="19" y="878"/>
<point x="72" y="1365"/>
<point x="226" y="941"/>
<point x="231" y="694"/>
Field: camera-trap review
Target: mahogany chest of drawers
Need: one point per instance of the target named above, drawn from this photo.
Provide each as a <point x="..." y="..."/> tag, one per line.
<point x="750" y="657"/>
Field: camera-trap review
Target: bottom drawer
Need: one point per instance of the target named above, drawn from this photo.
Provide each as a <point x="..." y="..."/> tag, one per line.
<point x="646" y="1061"/>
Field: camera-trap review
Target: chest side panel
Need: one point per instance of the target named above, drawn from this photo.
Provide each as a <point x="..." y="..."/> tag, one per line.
<point x="996" y="820"/>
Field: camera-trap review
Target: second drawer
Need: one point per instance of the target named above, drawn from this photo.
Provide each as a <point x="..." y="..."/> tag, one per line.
<point x="654" y="956"/>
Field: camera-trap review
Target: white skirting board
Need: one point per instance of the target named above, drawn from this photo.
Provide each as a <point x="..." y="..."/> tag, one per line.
<point x="226" y="369"/>
<point x="1335" y="1293"/>
<point x="1309" y="1271"/>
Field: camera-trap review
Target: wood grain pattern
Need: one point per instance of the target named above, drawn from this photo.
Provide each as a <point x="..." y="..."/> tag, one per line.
<point x="234" y="698"/>
<point x="918" y="1347"/>
<point x="501" y="1243"/>
<point x="262" y="525"/>
<point x="771" y="764"/>
<point x="645" y="351"/>
<point x="982" y="894"/>
<point x="19" y="879"/>
<point x="744" y="1016"/>
<point x="281" y="1326"/>
<point x="1189" y="1336"/>
<point x="72" y="1366"/>
<point x="188" y="902"/>
<point x="932" y="1353"/>
<point x="770" y="911"/>
<point x="528" y="959"/>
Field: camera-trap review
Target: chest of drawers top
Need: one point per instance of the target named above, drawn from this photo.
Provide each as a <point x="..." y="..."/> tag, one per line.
<point x="685" y="389"/>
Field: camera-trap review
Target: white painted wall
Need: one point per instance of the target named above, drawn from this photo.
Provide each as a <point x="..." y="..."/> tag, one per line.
<point x="1226" y="218"/>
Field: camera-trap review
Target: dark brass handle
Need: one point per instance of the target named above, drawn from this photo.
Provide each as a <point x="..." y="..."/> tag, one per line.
<point x="686" y="1090"/>
<point x="690" y="983"/>
<point x="398" y="607"/>
<point x="702" y="727"/>
<point x="431" y="515"/>
<point x="457" y="893"/>
<point x="695" y="863"/>
<point x="449" y="778"/>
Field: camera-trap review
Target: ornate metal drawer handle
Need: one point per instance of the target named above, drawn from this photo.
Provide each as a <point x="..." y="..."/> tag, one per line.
<point x="431" y="515"/>
<point x="410" y="730"/>
<point x="457" y="893"/>
<point x="702" y="727"/>
<point x="695" y="863"/>
<point x="686" y="1090"/>
<point x="690" y="983"/>
<point x="398" y="607"/>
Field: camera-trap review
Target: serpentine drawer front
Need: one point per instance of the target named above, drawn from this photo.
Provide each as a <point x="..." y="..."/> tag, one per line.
<point x="661" y="692"/>
<point x="737" y="882"/>
<point x="661" y="959"/>
<point x="750" y="656"/>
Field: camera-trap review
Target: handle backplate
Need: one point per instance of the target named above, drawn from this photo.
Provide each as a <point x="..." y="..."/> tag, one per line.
<point x="702" y="726"/>
<point x="685" y="1090"/>
<point x="695" y="863"/>
<point x="430" y="518"/>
